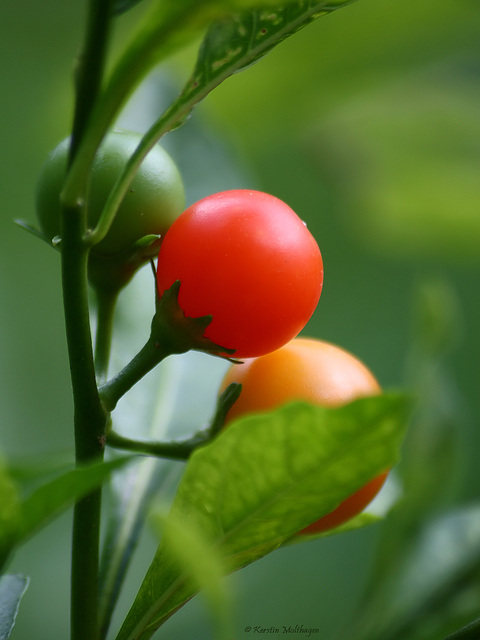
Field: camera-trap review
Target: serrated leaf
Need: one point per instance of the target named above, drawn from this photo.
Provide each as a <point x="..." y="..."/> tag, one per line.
<point x="265" y="478"/>
<point x="12" y="588"/>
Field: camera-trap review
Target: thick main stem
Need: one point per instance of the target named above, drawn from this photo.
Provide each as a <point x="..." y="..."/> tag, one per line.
<point x="89" y="422"/>
<point x="89" y="416"/>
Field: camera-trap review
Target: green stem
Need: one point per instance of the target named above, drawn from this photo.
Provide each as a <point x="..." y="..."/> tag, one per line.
<point x="181" y="449"/>
<point x="175" y="114"/>
<point x="89" y="416"/>
<point x="90" y="68"/>
<point x="133" y="65"/>
<point x="171" y="333"/>
<point x="106" y="304"/>
<point x="89" y="423"/>
<point x="120" y="189"/>
<point x="156" y="40"/>
<point x="127" y="513"/>
<point x="174" y="450"/>
<point x="151" y="354"/>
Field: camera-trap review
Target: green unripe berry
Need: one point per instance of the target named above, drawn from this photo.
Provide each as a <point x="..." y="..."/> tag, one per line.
<point x="154" y="200"/>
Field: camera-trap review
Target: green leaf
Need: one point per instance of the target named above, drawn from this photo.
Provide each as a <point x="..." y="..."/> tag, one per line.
<point x="32" y="229"/>
<point x="265" y="478"/>
<point x="173" y="401"/>
<point x="167" y="26"/>
<point x="130" y="492"/>
<point x="269" y="476"/>
<point x="9" y="513"/>
<point x="237" y="41"/>
<point x="12" y="588"/>
<point x="358" y="522"/>
<point x="29" y="473"/>
<point x="121" y="6"/>
<point x="436" y="582"/>
<point x="197" y="562"/>
<point x="234" y="42"/>
<point x="49" y="500"/>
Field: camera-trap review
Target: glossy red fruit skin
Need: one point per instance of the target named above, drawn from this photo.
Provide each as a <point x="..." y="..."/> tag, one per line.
<point x="246" y="259"/>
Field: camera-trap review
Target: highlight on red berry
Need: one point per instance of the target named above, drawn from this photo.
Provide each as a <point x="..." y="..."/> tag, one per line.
<point x="317" y="372"/>
<point x="247" y="260"/>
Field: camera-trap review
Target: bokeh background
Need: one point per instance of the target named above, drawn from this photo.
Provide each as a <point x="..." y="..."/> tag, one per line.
<point x="367" y="123"/>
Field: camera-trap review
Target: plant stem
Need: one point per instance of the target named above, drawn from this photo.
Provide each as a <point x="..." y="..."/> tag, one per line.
<point x="89" y="423"/>
<point x="151" y="354"/>
<point x="90" y="67"/>
<point x="89" y="416"/>
<point x="174" y="450"/>
<point x="155" y="40"/>
<point x="106" y="304"/>
<point x="130" y="497"/>
<point x="181" y="449"/>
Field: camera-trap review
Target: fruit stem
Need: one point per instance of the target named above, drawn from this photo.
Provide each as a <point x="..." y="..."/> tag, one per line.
<point x="149" y="356"/>
<point x="172" y="450"/>
<point x="181" y="449"/>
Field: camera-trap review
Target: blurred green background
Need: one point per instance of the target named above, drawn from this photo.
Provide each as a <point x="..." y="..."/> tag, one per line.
<point x="367" y="123"/>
